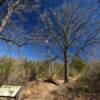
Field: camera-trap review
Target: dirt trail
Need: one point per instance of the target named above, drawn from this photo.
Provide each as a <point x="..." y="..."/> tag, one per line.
<point x="38" y="91"/>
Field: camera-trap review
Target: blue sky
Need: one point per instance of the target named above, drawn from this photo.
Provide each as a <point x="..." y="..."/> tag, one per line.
<point x="30" y="52"/>
<point x="33" y="52"/>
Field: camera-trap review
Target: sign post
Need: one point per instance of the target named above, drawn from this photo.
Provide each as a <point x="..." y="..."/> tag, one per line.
<point x="9" y="91"/>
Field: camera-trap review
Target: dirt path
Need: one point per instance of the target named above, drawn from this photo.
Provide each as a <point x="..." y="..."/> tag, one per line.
<point x="40" y="91"/>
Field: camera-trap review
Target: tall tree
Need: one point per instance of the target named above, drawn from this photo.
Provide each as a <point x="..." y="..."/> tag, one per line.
<point x="71" y="29"/>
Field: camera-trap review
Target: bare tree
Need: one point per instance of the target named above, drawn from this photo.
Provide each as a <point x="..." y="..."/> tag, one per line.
<point x="71" y="29"/>
<point x="14" y="7"/>
<point x="11" y="5"/>
<point x="10" y="11"/>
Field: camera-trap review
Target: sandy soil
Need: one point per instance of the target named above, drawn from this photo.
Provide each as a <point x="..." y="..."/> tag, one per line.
<point x="38" y="91"/>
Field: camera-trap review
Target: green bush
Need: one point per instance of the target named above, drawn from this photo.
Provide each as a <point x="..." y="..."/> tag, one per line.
<point x="77" y="66"/>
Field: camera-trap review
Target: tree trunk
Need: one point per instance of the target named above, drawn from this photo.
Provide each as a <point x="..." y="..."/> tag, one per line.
<point x="65" y="68"/>
<point x="65" y="58"/>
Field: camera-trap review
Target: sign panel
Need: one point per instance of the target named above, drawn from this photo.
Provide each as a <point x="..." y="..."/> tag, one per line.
<point x="9" y="91"/>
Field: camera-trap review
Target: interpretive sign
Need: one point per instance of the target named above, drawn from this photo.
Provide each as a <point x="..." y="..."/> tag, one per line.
<point x="9" y="91"/>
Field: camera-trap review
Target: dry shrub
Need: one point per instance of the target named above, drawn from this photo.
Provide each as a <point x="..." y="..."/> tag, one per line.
<point x="91" y="71"/>
<point x="76" y="91"/>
